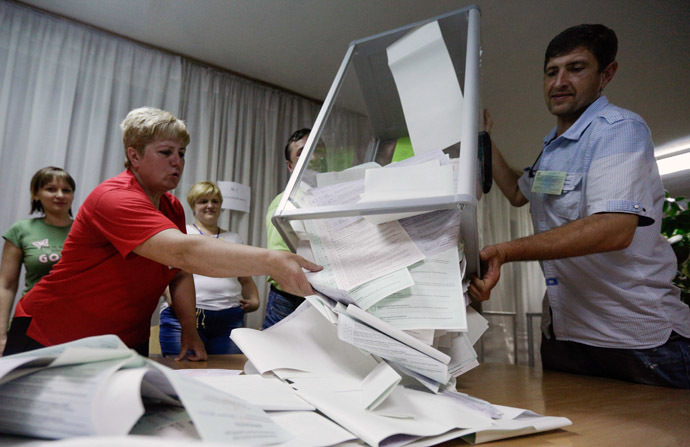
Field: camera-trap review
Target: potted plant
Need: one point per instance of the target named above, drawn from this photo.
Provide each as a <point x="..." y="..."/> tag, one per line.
<point x="675" y="226"/>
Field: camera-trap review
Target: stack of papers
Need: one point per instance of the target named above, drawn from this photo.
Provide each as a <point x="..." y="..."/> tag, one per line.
<point x="393" y="273"/>
<point x="98" y="387"/>
<point x="320" y="391"/>
<point x="362" y="392"/>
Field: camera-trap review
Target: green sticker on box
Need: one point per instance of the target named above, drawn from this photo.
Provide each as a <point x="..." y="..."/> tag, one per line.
<point x="549" y="182"/>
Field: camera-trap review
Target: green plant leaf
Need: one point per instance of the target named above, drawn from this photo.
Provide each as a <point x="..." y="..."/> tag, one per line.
<point x="676" y="221"/>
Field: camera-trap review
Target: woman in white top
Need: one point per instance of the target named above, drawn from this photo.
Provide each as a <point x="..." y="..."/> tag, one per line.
<point x="220" y="302"/>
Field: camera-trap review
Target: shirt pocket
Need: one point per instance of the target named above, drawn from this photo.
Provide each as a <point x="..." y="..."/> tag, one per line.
<point x="567" y="204"/>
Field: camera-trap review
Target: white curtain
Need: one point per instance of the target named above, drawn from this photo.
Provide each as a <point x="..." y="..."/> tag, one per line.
<point x="64" y="88"/>
<point x="521" y="286"/>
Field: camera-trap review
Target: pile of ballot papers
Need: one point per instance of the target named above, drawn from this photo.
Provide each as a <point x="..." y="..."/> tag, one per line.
<point x="98" y="387"/>
<point x="376" y="401"/>
<point x="315" y="390"/>
<point x="392" y="283"/>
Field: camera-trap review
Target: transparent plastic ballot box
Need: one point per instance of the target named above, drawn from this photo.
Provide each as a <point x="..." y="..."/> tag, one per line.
<point x="362" y="121"/>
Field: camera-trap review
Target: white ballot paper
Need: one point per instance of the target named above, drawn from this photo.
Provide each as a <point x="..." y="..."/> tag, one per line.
<point x="163" y="421"/>
<point x="91" y="349"/>
<point x="425" y="415"/>
<point x="436" y="154"/>
<point x="338" y="194"/>
<point x="364" y="295"/>
<point x="428" y="87"/>
<point x="126" y="441"/>
<point x="348" y="175"/>
<point x="515" y="422"/>
<point x="434" y="301"/>
<point x="337" y="378"/>
<point x="426" y="336"/>
<point x="219" y="416"/>
<point x="100" y="389"/>
<point x="474" y="403"/>
<point x="396" y="333"/>
<point x="304" y="341"/>
<point x="462" y="354"/>
<point x="361" y="251"/>
<point x="208" y="372"/>
<point x="267" y="393"/>
<point x="378" y="385"/>
<point x="66" y="401"/>
<point x="476" y="325"/>
<point x="371" y="292"/>
<point x="324" y="305"/>
<point x="419" y="181"/>
<point x="10" y="366"/>
<point x="434" y="232"/>
<point x="311" y="429"/>
<point x="381" y="345"/>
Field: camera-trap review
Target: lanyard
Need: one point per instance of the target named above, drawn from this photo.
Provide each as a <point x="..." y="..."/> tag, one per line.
<point x="201" y="232"/>
<point x="531" y="172"/>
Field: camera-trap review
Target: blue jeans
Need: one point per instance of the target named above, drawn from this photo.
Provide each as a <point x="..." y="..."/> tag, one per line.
<point x="280" y="305"/>
<point x="214" y="328"/>
<point x="666" y="365"/>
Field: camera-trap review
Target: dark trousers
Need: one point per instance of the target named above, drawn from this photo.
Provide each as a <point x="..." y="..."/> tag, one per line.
<point x="666" y="365"/>
<point x="18" y="341"/>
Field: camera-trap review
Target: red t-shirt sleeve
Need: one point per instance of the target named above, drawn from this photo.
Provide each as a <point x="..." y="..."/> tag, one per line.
<point x="127" y="219"/>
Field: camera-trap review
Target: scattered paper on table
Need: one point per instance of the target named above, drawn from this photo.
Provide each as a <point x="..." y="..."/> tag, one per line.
<point x="267" y="393"/>
<point x="376" y="386"/>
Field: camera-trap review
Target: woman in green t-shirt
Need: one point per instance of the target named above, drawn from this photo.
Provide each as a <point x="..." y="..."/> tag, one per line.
<point x="36" y="242"/>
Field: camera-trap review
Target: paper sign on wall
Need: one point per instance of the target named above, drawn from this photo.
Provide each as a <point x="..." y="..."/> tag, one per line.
<point x="236" y="196"/>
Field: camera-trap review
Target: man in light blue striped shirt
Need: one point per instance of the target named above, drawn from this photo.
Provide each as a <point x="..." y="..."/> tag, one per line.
<point x="596" y="203"/>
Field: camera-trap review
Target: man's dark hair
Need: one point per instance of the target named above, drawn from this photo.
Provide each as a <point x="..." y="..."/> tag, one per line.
<point x="296" y="136"/>
<point x="598" y="39"/>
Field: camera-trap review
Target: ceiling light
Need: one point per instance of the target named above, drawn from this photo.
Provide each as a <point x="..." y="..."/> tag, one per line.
<point x="675" y="163"/>
<point x="674" y="156"/>
<point x="674" y="147"/>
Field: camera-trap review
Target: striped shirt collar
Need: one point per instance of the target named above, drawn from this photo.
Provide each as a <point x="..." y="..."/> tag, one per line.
<point x="577" y="129"/>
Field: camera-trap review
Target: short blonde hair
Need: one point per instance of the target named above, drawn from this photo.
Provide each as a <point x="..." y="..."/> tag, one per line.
<point x="201" y="189"/>
<point x="147" y="124"/>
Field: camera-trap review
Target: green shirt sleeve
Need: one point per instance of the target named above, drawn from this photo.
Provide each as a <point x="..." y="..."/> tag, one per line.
<point x="274" y="240"/>
<point x="12" y="234"/>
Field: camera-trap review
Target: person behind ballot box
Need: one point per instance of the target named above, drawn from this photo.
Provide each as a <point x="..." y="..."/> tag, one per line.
<point x="596" y="203"/>
<point x="36" y="243"/>
<point x="220" y="302"/>
<point x="128" y="243"/>
<point x="281" y="303"/>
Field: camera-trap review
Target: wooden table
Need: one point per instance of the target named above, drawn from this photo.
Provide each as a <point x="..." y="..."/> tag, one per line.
<point x="604" y="412"/>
